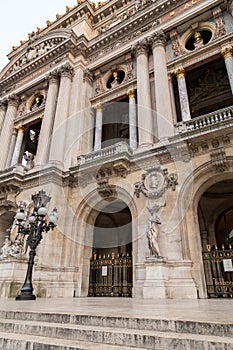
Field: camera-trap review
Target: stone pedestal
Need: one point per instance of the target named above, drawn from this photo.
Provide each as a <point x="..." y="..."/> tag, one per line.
<point x="154" y="285"/>
<point x="168" y="279"/>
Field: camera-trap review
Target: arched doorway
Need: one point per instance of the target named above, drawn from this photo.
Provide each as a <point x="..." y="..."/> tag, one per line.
<point x="111" y="262"/>
<point x="215" y="214"/>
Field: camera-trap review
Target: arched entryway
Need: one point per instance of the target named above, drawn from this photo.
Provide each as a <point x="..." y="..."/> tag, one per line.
<point x="215" y="214"/>
<point x="111" y="262"/>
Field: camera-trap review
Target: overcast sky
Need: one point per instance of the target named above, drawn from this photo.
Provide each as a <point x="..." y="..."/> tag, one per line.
<point x="20" y="17"/>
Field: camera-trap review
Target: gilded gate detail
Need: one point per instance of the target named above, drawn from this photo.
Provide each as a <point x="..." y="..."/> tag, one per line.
<point x="218" y="267"/>
<point x="111" y="275"/>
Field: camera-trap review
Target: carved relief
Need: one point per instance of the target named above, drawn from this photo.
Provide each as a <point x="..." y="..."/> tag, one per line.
<point x="219" y="159"/>
<point x="176" y="48"/>
<point x="220" y="25"/>
<point x="155" y="182"/>
<point x="153" y="186"/>
<point x="33" y="52"/>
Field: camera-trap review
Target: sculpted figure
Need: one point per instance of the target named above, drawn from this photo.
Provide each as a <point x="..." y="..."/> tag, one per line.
<point x="152" y="236"/>
<point x="5" y="249"/>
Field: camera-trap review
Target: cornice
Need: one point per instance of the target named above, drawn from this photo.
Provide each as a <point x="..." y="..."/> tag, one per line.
<point x="152" y="18"/>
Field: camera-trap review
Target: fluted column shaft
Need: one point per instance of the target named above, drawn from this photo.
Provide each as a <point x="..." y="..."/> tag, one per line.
<point x="183" y="94"/>
<point x="42" y="153"/>
<point x="2" y="114"/>
<point x="5" y="138"/>
<point x="162" y="93"/>
<point x="98" y="127"/>
<point x="18" y="145"/>
<point x="227" y="54"/>
<point x="132" y="119"/>
<point x="145" y="123"/>
<point x="60" y="122"/>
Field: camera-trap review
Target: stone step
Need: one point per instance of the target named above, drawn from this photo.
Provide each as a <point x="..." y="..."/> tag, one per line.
<point x="162" y="325"/>
<point x="11" y="341"/>
<point x="135" y="338"/>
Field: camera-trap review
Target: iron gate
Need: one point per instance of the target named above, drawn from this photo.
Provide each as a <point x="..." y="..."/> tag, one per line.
<point x="218" y="271"/>
<point x="111" y="276"/>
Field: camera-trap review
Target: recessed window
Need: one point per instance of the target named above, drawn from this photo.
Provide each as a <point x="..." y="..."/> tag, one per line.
<point x="115" y="79"/>
<point x="197" y="39"/>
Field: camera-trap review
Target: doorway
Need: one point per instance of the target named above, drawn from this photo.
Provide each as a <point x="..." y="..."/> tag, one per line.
<point x="111" y="262"/>
<point x="215" y="215"/>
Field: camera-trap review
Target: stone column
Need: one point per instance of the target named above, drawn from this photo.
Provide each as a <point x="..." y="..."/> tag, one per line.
<point x="12" y="148"/>
<point x="18" y="145"/>
<point x="2" y="113"/>
<point x="145" y="123"/>
<point x="98" y="127"/>
<point x="227" y="53"/>
<point x="162" y="94"/>
<point x="59" y="128"/>
<point x="132" y="119"/>
<point x="42" y="153"/>
<point x="5" y="138"/>
<point x="183" y="94"/>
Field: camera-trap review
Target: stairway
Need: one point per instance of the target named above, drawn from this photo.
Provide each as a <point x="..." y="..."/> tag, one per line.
<point x="62" y="331"/>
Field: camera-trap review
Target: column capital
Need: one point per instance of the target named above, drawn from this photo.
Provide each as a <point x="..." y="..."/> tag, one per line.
<point x="179" y="72"/>
<point x="66" y="71"/>
<point x="20" y="129"/>
<point x="53" y="77"/>
<point x="131" y="93"/>
<point x="158" y="38"/>
<point x="99" y="107"/>
<point x="141" y="47"/>
<point x="227" y="51"/>
<point x="13" y="100"/>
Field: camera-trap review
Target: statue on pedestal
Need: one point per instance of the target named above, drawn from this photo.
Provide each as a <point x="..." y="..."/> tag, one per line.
<point x="152" y="236"/>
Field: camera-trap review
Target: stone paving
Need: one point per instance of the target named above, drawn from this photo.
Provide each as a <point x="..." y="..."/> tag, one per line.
<point x="203" y="310"/>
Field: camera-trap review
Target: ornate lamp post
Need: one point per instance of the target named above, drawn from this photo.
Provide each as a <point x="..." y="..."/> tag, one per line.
<point x="33" y="227"/>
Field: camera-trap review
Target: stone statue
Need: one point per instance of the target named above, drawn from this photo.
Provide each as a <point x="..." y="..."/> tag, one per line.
<point x="152" y="236"/>
<point x="5" y="249"/>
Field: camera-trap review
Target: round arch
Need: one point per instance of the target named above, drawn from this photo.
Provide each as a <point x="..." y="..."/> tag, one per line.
<point x="83" y="229"/>
<point x="190" y="194"/>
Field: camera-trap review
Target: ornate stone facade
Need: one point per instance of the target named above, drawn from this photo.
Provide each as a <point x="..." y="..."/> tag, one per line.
<point x="122" y="113"/>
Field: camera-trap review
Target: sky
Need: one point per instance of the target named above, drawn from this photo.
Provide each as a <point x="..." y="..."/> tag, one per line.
<point x="20" y="17"/>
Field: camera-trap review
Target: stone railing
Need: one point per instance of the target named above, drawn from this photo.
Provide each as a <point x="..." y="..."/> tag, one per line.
<point x="206" y="120"/>
<point x="107" y="153"/>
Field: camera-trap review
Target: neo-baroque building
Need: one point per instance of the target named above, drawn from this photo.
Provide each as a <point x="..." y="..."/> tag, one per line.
<point x="122" y="112"/>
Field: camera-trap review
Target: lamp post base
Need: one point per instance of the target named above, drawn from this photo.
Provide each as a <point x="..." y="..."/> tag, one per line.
<point x="25" y="297"/>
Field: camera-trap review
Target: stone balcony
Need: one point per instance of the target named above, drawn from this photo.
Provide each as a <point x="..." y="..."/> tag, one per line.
<point x="212" y="121"/>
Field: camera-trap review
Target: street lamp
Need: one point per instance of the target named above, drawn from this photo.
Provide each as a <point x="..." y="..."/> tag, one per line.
<point x="33" y="227"/>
